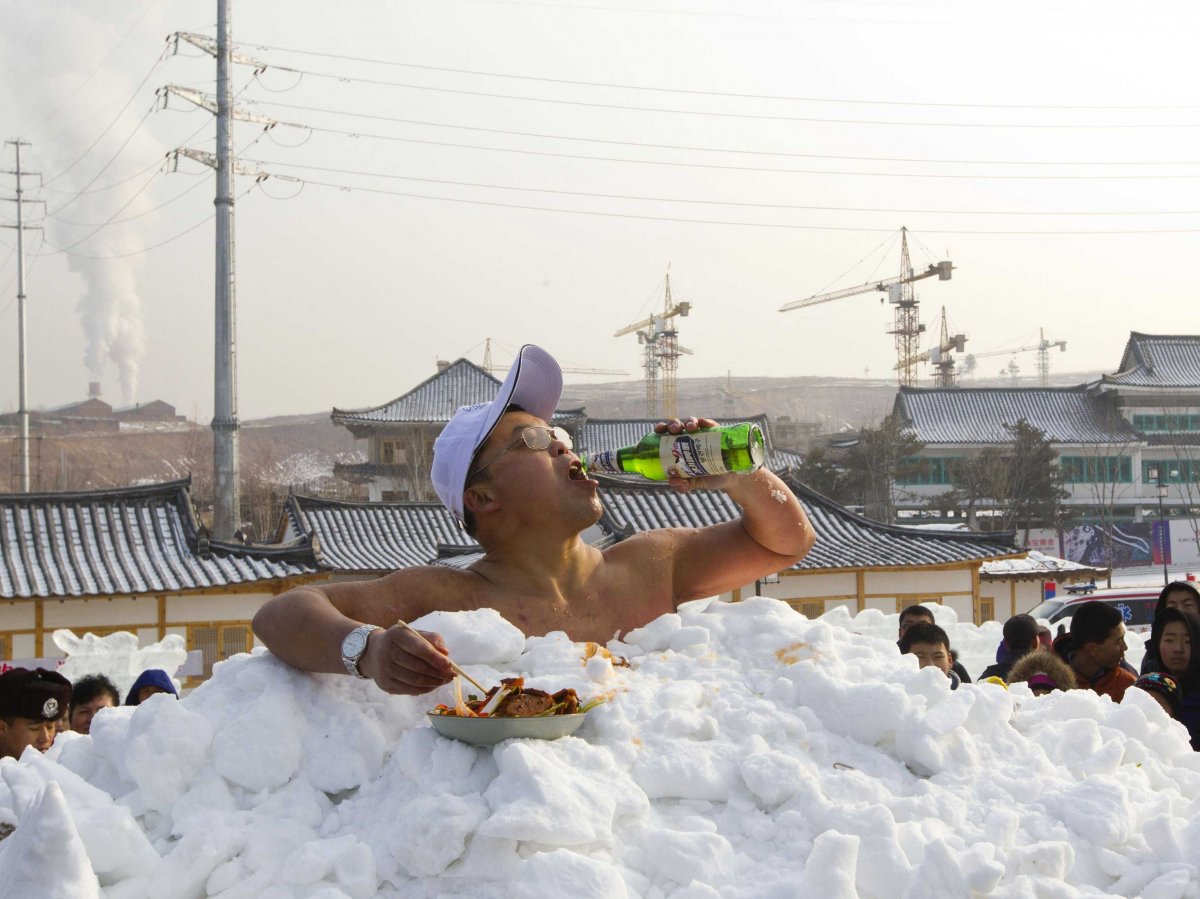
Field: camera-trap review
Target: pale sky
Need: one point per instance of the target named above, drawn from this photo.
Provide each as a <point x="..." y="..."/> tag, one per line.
<point x="754" y="112"/>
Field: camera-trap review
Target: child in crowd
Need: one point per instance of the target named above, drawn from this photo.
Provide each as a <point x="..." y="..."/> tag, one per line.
<point x="930" y="644"/>
<point x="918" y="613"/>
<point x="1175" y="644"/>
<point x="1176" y="595"/>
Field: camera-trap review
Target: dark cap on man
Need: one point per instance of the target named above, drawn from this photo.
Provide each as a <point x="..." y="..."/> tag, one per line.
<point x="39" y="695"/>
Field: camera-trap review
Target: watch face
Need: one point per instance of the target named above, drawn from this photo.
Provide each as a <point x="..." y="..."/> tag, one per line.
<point x="354" y="644"/>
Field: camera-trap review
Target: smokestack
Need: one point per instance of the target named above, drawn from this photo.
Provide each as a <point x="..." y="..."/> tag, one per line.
<point x="93" y="390"/>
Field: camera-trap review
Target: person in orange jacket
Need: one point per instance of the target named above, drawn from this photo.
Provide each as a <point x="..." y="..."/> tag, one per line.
<point x="1095" y="648"/>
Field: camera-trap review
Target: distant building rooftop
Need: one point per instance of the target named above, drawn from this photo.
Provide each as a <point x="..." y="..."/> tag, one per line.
<point x="1158" y="361"/>
<point x="433" y="401"/>
<point x="979" y="415"/>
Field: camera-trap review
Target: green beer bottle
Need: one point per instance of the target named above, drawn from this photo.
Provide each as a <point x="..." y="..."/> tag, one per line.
<point x="708" y="451"/>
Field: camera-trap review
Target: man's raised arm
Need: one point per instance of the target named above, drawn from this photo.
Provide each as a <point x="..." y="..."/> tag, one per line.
<point x="305" y="627"/>
<point x="773" y="532"/>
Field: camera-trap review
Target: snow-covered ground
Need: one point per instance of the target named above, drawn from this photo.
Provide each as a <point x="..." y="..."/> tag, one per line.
<point x="747" y="752"/>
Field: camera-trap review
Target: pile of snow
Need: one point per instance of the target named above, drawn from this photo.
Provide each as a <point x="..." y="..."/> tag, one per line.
<point x="747" y="752"/>
<point x="117" y="656"/>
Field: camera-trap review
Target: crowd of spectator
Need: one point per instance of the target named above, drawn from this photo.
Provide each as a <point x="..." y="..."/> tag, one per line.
<point x="35" y="705"/>
<point x="1089" y="656"/>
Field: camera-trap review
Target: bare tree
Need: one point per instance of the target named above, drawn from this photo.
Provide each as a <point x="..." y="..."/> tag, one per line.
<point x="1105" y="472"/>
<point x="881" y="456"/>
<point x="1183" y="464"/>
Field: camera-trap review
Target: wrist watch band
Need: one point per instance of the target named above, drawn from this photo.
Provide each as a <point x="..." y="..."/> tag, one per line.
<point x="354" y="645"/>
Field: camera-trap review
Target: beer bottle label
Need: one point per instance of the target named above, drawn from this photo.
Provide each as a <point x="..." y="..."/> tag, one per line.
<point x="691" y="455"/>
<point x="605" y="461"/>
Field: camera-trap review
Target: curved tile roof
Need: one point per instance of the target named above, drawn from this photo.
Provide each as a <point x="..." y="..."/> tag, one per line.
<point x="433" y="400"/>
<point x="1152" y="360"/>
<point x="375" y="536"/>
<point x="125" y="541"/>
<point x="978" y="415"/>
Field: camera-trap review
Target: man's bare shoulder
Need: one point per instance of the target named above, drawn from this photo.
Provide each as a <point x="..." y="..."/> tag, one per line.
<point x="653" y="544"/>
<point x="408" y="594"/>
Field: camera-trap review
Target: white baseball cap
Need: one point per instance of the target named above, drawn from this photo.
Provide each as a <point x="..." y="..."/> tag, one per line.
<point x="534" y="383"/>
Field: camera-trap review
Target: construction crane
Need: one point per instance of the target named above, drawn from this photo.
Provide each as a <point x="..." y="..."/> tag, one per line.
<point x="493" y="369"/>
<point x="661" y="352"/>
<point x="940" y="355"/>
<point x="907" y="327"/>
<point x="1042" y="347"/>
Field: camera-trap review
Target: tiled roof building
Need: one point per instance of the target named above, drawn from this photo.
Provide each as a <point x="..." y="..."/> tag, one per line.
<point x="1159" y="362"/>
<point x="1116" y="439"/>
<point x="125" y="541"/>
<point x="373" y="537"/>
<point x="979" y="415"/>
<point x="132" y="559"/>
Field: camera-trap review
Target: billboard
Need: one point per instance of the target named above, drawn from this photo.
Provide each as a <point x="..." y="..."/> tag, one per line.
<point x="1129" y="543"/>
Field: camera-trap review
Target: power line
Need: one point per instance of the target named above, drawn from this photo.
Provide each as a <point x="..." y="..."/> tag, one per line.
<point x="1075" y="23"/>
<point x="109" y="220"/>
<point x="687" y="200"/>
<point x="773" y="225"/>
<point x="96" y="190"/>
<point x="734" y="168"/>
<point x="675" y="90"/>
<point x="143" y="250"/>
<point x="104" y="168"/>
<point x="690" y="148"/>
<point x="130" y="218"/>
<point x="666" y="110"/>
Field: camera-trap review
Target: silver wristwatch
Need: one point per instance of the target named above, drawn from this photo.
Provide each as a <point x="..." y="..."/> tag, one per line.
<point x="353" y="647"/>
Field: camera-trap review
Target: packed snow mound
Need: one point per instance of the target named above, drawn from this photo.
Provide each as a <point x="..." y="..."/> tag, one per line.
<point x="117" y="656"/>
<point x="746" y="752"/>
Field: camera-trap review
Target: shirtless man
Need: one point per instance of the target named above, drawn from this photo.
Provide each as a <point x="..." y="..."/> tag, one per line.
<point x="517" y="488"/>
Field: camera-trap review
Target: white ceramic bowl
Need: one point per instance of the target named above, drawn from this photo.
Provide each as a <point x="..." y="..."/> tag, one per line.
<point x="489" y="731"/>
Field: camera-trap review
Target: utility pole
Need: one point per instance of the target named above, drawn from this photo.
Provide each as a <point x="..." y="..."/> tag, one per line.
<point x="226" y="486"/>
<point x="227" y="505"/>
<point x="23" y="387"/>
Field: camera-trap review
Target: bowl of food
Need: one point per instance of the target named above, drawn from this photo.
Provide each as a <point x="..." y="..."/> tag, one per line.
<point x="510" y="711"/>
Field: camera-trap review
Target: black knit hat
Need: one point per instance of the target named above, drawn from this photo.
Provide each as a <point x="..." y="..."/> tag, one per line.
<point x="40" y="695"/>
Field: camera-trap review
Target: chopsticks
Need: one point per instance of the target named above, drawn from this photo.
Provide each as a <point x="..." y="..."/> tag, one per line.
<point x="457" y="670"/>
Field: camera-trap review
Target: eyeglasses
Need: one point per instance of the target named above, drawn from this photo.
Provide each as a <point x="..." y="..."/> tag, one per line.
<point x="535" y="437"/>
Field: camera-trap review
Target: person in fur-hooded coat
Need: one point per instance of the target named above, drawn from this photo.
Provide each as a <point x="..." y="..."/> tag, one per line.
<point x="1044" y="670"/>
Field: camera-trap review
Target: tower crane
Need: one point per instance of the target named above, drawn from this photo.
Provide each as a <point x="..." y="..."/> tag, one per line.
<point x="1042" y="347"/>
<point x="661" y="352"/>
<point x="492" y="369"/>
<point x="907" y="327"/>
<point x="940" y="355"/>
